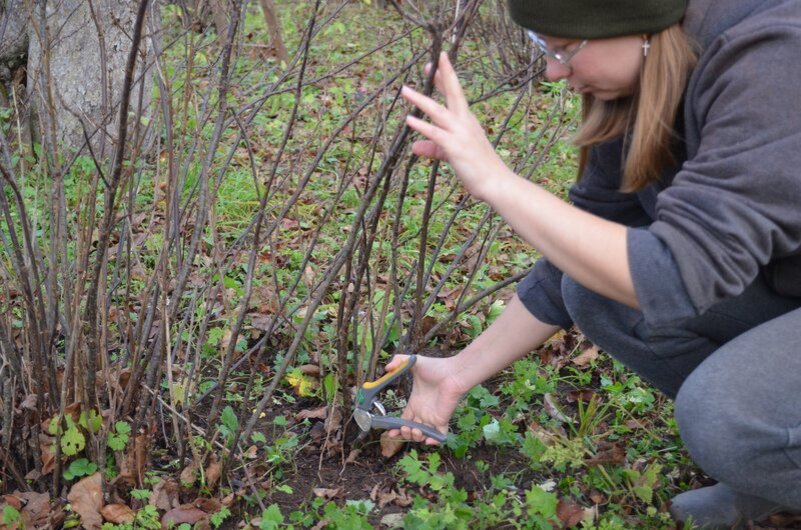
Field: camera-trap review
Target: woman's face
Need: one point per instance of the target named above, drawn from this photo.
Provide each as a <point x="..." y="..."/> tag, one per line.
<point x="606" y="68"/>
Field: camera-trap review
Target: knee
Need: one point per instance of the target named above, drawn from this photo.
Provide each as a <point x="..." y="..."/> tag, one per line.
<point x="601" y="319"/>
<point x="716" y="431"/>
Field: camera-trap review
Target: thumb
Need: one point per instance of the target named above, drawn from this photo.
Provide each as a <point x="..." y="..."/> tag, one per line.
<point x="395" y="362"/>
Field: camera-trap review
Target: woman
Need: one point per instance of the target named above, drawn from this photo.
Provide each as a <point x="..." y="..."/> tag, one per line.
<point x="681" y="252"/>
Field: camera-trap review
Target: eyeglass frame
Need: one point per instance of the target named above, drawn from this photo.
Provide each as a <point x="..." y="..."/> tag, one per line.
<point x="560" y="57"/>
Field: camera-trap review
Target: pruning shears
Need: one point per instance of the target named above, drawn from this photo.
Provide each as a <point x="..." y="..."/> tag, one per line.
<point x="366" y="399"/>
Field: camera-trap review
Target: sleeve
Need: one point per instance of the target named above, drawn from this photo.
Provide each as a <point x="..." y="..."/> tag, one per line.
<point x="597" y="192"/>
<point x="736" y="203"/>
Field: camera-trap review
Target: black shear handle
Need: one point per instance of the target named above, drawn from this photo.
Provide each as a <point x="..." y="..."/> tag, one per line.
<point x="391" y="422"/>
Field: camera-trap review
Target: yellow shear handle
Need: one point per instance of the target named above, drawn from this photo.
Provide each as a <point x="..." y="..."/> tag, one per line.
<point x="387" y="376"/>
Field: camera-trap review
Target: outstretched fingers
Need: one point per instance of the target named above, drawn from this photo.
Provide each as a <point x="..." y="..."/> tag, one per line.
<point x="430" y="131"/>
<point x="439" y="114"/>
<point x="447" y="82"/>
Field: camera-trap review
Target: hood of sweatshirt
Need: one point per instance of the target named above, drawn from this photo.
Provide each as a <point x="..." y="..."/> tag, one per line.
<point x="705" y="20"/>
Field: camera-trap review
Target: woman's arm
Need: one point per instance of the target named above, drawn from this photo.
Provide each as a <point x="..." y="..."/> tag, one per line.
<point x="439" y="384"/>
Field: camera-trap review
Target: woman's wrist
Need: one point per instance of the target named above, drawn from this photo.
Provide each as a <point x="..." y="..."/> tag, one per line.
<point x="502" y="184"/>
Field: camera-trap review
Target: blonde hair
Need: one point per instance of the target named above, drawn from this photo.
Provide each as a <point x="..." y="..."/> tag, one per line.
<point x="647" y="119"/>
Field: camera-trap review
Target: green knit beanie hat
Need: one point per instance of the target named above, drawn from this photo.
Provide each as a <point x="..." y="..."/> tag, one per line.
<point x="596" y="19"/>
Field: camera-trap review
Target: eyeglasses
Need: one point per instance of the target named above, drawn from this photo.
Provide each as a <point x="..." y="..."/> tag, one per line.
<point x="560" y="55"/>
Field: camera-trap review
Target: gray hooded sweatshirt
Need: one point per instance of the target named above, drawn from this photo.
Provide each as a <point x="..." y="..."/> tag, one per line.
<point x="731" y="208"/>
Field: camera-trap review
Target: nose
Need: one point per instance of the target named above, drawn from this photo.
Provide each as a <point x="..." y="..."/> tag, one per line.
<point x="556" y="71"/>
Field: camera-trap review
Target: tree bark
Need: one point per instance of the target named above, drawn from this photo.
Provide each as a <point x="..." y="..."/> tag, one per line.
<point x="13" y="37"/>
<point x="76" y="62"/>
<point x="274" y="27"/>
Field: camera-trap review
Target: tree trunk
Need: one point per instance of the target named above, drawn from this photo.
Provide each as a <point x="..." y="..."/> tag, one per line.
<point x="76" y="63"/>
<point x="13" y="37"/>
<point x="274" y="27"/>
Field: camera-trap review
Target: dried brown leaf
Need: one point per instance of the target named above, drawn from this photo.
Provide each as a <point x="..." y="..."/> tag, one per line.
<point x="117" y="513"/>
<point x="312" y="370"/>
<point x="327" y="493"/>
<point x="165" y="495"/>
<point x="208" y="505"/>
<point x="608" y="454"/>
<point x="552" y="409"/>
<point x="334" y="420"/>
<point x="86" y="497"/>
<point x="213" y="473"/>
<point x="47" y="446"/>
<point x="597" y="497"/>
<point x="183" y="514"/>
<point x="586" y="357"/>
<point x="228" y="500"/>
<point x="29" y="403"/>
<point x="13" y="501"/>
<point x="189" y="474"/>
<point x="403" y="499"/>
<point x="387" y="497"/>
<point x="569" y="512"/>
<point x="353" y="455"/>
<point x="33" y="475"/>
<point x="320" y="413"/>
<point x="36" y="508"/>
<point x="390" y="446"/>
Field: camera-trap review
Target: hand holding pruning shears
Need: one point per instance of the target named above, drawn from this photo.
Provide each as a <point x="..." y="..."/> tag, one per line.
<point x="426" y="416"/>
<point x="454" y="134"/>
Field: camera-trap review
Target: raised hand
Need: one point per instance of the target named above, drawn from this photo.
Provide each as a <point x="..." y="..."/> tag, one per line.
<point x="455" y="135"/>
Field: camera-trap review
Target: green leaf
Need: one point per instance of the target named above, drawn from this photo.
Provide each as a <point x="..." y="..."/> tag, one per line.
<point x="73" y="440"/>
<point x="52" y="427"/>
<point x="93" y="423"/>
<point x="271" y="518"/>
<point x="80" y="468"/>
<point x="229" y="419"/>
<point x="217" y="518"/>
<point x="117" y="440"/>
<point x="141" y="494"/>
<point x="492" y="431"/>
<point x="11" y="515"/>
<point x="258" y="437"/>
<point x="122" y="427"/>
<point x="540" y="502"/>
<point x="644" y="493"/>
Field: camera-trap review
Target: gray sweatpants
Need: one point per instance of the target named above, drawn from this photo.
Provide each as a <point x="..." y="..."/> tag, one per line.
<point x="735" y="373"/>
